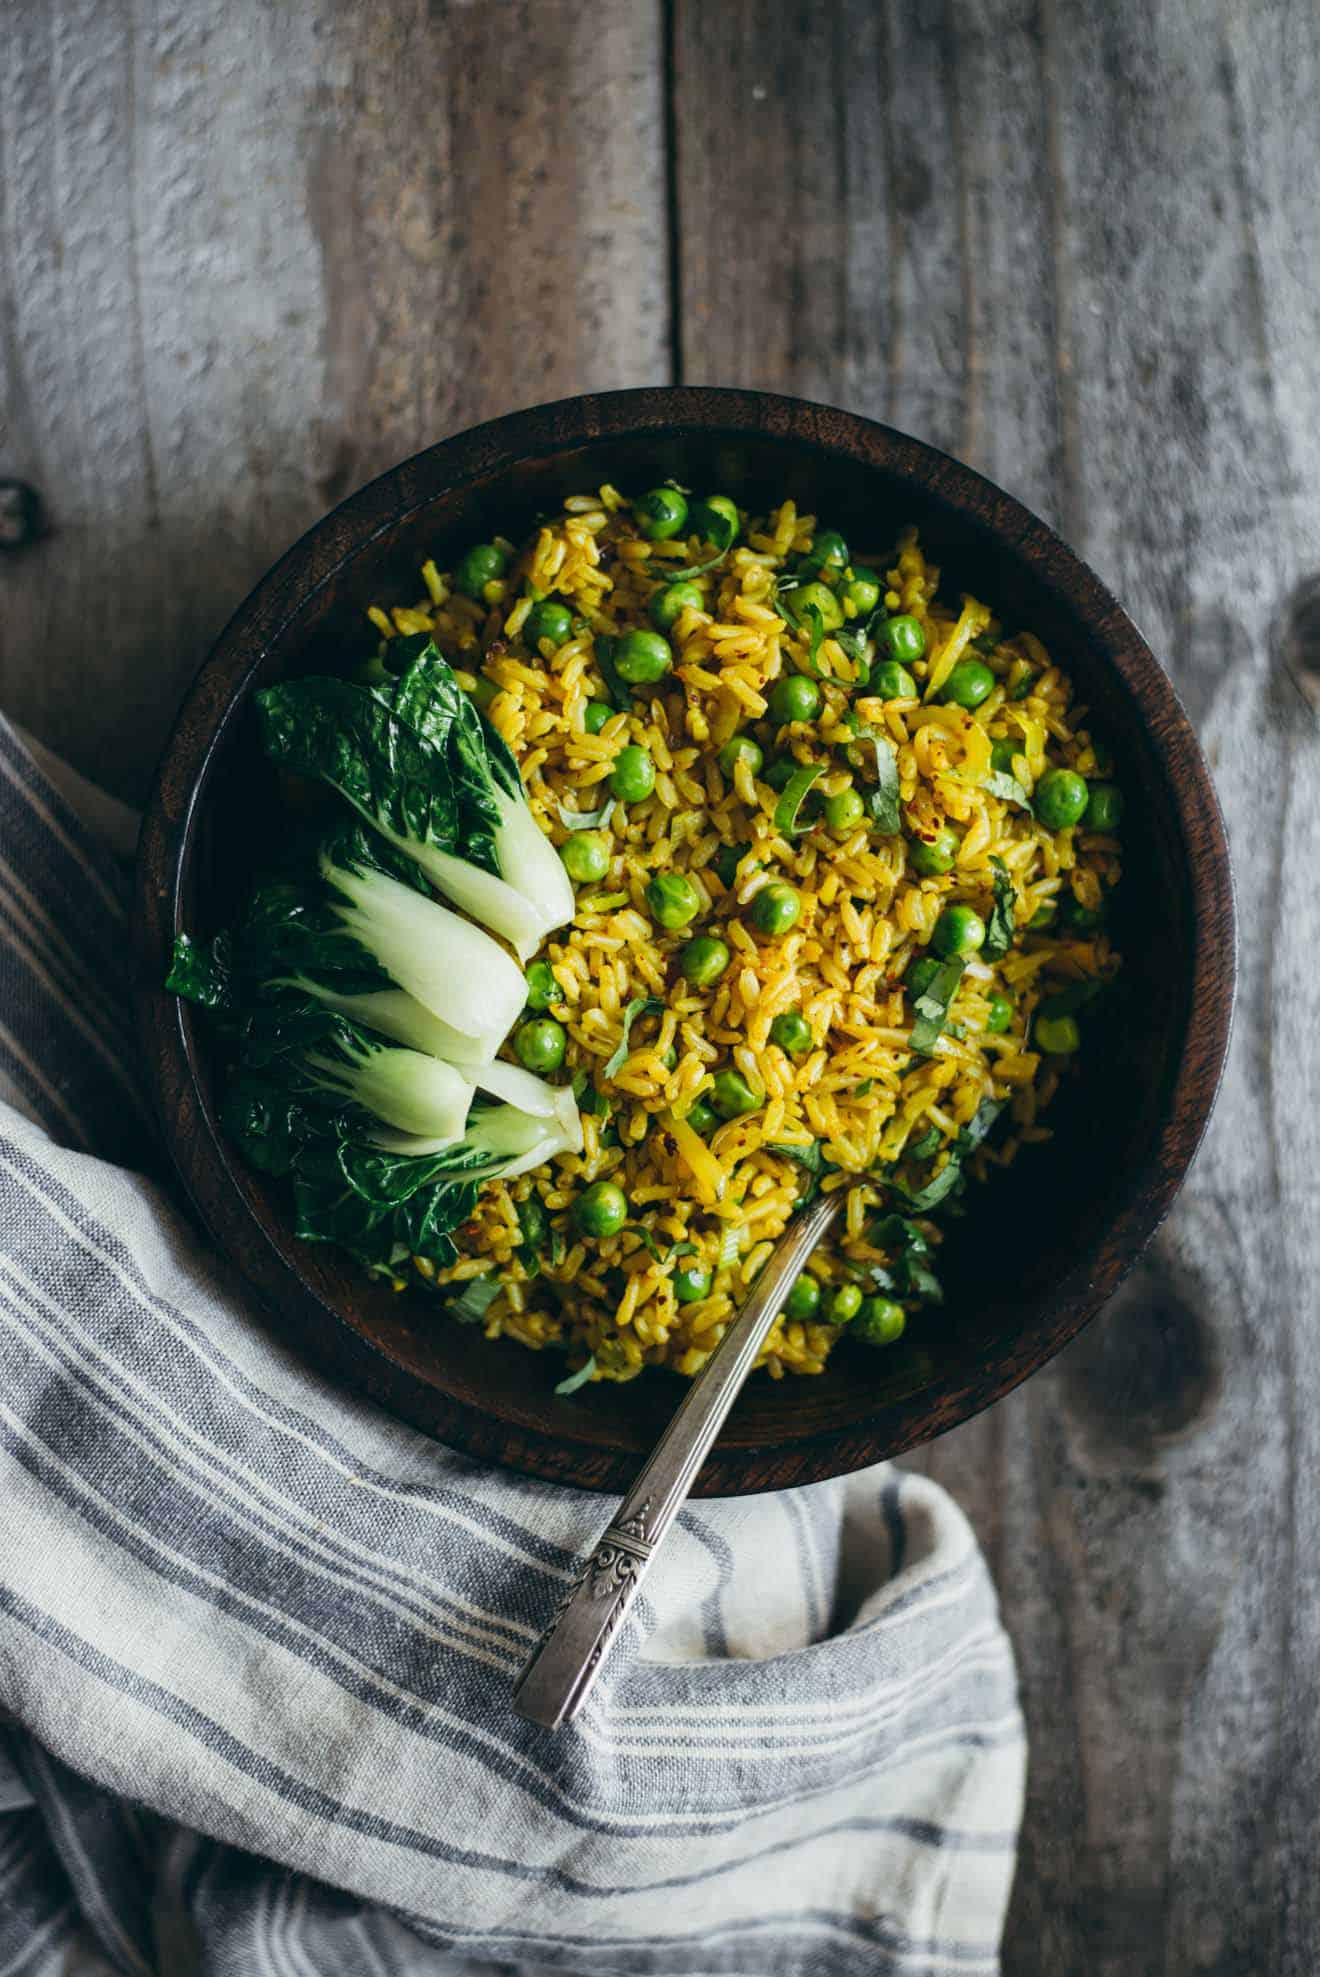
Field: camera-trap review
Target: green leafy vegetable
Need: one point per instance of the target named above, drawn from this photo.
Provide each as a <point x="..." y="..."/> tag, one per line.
<point x="950" y="1175"/>
<point x="417" y="762"/>
<point x="793" y="796"/>
<point x="813" y="630"/>
<point x="641" y="1005"/>
<point x="578" y="1379"/>
<point x="911" y="1275"/>
<point x="201" y="974"/>
<point x="929" y="1143"/>
<point x="932" y="1007"/>
<point x="1002" y="923"/>
<point x="810" y="1156"/>
<point x="1007" y="788"/>
<point x="473" y="1301"/>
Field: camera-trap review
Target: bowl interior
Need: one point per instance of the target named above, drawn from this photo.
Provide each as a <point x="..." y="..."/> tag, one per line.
<point x="1035" y="1250"/>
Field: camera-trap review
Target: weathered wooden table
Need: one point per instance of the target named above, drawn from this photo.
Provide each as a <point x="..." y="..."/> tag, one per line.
<point x="253" y="254"/>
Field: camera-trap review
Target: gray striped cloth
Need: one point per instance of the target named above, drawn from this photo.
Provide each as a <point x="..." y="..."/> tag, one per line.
<point x="257" y="1639"/>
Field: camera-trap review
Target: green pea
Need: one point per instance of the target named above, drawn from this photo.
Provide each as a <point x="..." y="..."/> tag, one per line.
<point x="959" y="931"/>
<point x="845" y="1304"/>
<point x="776" y="909"/>
<point x="803" y="1300"/>
<point x="542" y="988"/>
<point x="700" y="1116"/>
<point x="673" y="900"/>
<point x="1001" y="756"/>
<point x="668" y="605"/>
<point x="844" y="810"/>
<point x="1104" y="807"/>
<point x="1061" y="799"/>
<point x="741" y="748"/>
<point x="880" y="1321"/>
<point x="597" y="713"/>
<point x="732" y="1096"/>
<point x="660" y="513"/>
<point x="539" y="1045"/>
<point x="794" y="698"/>
<point x="891" y="681"/>
<point x="793" y="1033"/>
<point x="903" y="639"/>
<point x="781" y="771"/>
<point x="862" y="590"/>
<point x="933" y="859"/>
<point x="704" y="960"/>
<point x="1059" y="1036"/>
<point x="715" y="520"/>
<point x="633" y="776"/>
<point x="727" y="860"/>
<point x="642" y="658"/>
<point x="586" y="856"/>
<point x="601" y="1210"/>
<point x="828" y="551"/>
<point x="999" y="1014"/>
<point x="970" y="682"/>
<point x="481" y="565"/>
<point x="1080" y="919"/>
<point x="817" y="597"/>
<point x="920" y="974"/>
<point x="548" y="619"/>
<point x="533" y="1222"/>
<point x="691" y="1284"/>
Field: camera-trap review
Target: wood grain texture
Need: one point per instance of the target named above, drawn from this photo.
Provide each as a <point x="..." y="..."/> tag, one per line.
<point x="1077" y="245"/>
<point x="251" y="255"/>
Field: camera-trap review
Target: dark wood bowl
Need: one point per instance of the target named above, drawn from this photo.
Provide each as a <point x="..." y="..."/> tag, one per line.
<point x="1039" y="1250"/>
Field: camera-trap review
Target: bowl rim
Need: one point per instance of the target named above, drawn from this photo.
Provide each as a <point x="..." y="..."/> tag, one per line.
<point x="214" y="1181"/>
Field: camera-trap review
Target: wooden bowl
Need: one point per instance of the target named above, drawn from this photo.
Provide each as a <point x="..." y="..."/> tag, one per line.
<point x="1039" y="1249"/>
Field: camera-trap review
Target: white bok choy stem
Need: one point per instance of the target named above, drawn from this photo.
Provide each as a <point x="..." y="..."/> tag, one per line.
<point x="505" y="1140"/>
<point x="403" y="1088"/>
<point x="452" y="968"/>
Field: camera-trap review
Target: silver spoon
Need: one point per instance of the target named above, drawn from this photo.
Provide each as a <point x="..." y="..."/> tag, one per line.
<point x="567" y="1659"/>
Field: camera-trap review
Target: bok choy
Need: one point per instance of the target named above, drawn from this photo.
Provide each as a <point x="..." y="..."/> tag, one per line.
<point x="416" y="761"/>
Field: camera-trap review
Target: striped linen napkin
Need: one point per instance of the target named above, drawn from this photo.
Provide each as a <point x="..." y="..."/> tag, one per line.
<point x="257" y="1639"/>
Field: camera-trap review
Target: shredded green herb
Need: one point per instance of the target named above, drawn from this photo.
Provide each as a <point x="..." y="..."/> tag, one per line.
<point x="928" y="1144"/>
<point x="723" y="541"/>
<point x="585" y="820"/>
<point x="1002" y="924"/>
<point x="1023" y="687"/>
<point x="1007" y="788"/>
<point x="641" y="1005"/>
<point x="950" y="1175"/>
<point x="471" y="1304"/>
<point x="881" y="798"/>
<point x="620" y="693"/>
<point x="578" y="1379"/>
<point x="793" y="796"/>
<point x="932" y="1007"/>
<point x="648" y="1241"/>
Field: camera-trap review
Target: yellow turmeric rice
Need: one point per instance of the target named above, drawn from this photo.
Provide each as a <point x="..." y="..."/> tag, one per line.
<point x="968" y="719"/>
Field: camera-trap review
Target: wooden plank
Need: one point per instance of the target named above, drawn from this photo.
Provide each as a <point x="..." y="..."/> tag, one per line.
<point x="252" y="255"/>
<point x="1078" y="246"/>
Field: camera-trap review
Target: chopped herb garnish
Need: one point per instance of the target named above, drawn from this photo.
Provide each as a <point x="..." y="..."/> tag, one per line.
<point x="1002" y="923"/>
<point x="471" y="1304"/>
<point x="881" y="798"/>
<point x="578" y="1379"/>
<point x="1007" y="788"/>
<point x="813" y="632"/>
<point x="950" y="1175"/>
<point x="585" y="820"/>
<point x="932" y="1007"/>
<point x="722" y="537"/>
<point x="911" y="1275"/>
<point x="793" y="796"/>
<point x="928" y="1144"/>
<point x="860" y="1091"/>
<point x="618" y="689"/>
<point x="682" y="1249"/>
<point x="809" y="1157"/>
<point x="648" y="1241"/>
<point x="641" y="1005"/>
<point x="1023" y="687"/>
<point x="558" y="1248"/>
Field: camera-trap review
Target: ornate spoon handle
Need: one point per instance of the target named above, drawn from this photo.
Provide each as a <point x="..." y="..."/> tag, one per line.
<point x="566" y="1660"/>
